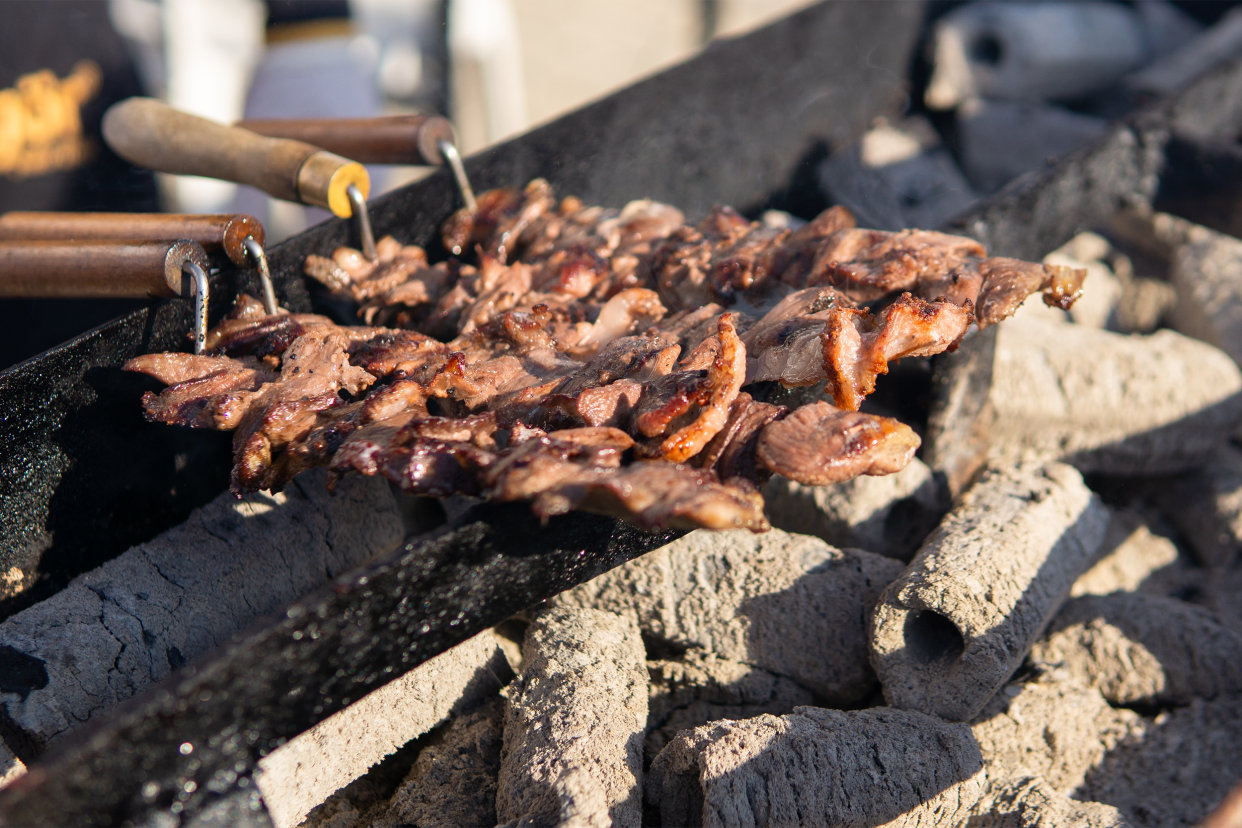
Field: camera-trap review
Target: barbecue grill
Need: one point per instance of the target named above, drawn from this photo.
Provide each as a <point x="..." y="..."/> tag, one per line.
<point x="744" y="123"/>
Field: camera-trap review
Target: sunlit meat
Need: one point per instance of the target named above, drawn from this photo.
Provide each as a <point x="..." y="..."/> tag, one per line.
<point x="819" y="444"/>
<point x="595" y="359"/>
<point x="1007" y="283"/>
<point x="206" y="392"/>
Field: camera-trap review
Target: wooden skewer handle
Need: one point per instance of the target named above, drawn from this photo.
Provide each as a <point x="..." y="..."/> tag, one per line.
<point x="214" y="231"/>
<point x="394" y="139"/>
<point x="97" y="269"/>
<point x="152" y="134"/>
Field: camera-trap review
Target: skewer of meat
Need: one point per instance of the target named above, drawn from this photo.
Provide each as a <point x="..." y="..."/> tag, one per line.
<point x="591" y="361"/>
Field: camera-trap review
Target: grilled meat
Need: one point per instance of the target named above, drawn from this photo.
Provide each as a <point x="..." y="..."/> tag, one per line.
<point x="593" y="359"/>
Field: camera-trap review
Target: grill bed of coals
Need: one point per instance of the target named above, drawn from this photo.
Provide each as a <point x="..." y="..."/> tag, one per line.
<point x="1034" y="623"/>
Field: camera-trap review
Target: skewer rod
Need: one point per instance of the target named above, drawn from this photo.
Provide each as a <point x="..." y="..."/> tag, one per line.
<point x="214" y="231"/>
<point x="97" y="269"/>
<point x="358" y="201"/>
<point x="394" y="139"/>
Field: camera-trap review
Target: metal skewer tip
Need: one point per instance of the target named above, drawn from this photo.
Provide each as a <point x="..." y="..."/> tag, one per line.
<point x="359" y="205"/>
<point x="199" y="276"/>
<point x="265" y="274"/>
<point x="459" y="173"/>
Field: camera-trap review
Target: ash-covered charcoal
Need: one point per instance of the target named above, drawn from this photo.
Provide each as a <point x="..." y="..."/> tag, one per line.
<point x="1030" y="802"/>
<point x="453" y="782"/>
<point x="736" y="596"/>
<point x="1134" y="559"/>
<point x="817" y="767"/>
<point x="1206" y="506"/>
<point x="1179" y="771"/>
<point x="1155" y="404"/>
<point x="889" y="515"/>
<point x="595" y="359"/>
<point x="1050" y="726"/>
<point x="701" y="687"/>
<point x="1144" y="649"/>
<point x="574" y="723"/>
<point x="949" y="632"/>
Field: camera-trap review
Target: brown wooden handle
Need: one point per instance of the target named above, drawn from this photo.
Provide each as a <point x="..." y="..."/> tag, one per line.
<point x="152" y="134"/>
<point x="393" y="139"/>
<point x="214" y="231"/>
<point x="85" y="269"/>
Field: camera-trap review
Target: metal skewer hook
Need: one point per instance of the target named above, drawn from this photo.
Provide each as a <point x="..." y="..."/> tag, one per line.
<point x="449" y="151"/>
<point x="359" y="204"/>
<point x="199" y="277"/>
<point x="265" y="274"/>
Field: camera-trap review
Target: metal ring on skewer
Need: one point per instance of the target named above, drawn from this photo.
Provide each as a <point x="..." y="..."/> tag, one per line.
<point x="199" y="276"/>
<point x="359" y="204"/>
<point x="265" y="274"/>
<point x="459" y="173"/>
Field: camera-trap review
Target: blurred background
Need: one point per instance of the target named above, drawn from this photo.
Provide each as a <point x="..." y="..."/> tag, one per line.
<point x="996" y="89"/>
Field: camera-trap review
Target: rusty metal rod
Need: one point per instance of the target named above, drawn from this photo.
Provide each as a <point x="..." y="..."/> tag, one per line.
<point x="393" y="139"/>
<point x="214" y="231"/>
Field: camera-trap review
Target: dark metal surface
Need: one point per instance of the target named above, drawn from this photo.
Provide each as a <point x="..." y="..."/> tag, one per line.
<point x="1203" y="182"/>
<point x="734" y="125"/>
<point x="328" y="649"/>
<point x="1043" y="209"/>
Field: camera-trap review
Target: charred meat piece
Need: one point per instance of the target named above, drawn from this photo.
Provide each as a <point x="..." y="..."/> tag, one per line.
<point x="388" y="408"/>
<point x="685" y="409"/>
<point x="818" y="444"/>
<point x="467" y="228"/>
<point x="623" y="314"/>
<point x="959" y="285"/>
<point x="870" y="264"/>
<point x="681" y="265"/>
<point x="429" y="467"/>
<point x="204" y="392"/>
<point x="786" y="342"/>
<point x="731" y="453"/>
<point x="813" y="335"/>
<point x="540" y="465"/>
<point x="248" y="329"/>
<point x="400" y="354"/>
<point x="1007" y="283"/>
<point x="399" y="287"/>
<point x="655" y="495"/>
<point x="424" y="455"/>
<point x="314" y="371"/>
<point x="499" y="223"/>
<point x="857" y="347"/>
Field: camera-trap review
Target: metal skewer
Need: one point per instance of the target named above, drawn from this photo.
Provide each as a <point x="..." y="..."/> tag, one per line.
<point x="201" y="297"/>
<point x="359" y="204"/>
<point x="255" y="251"/>
<point x="449" y="151"/>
